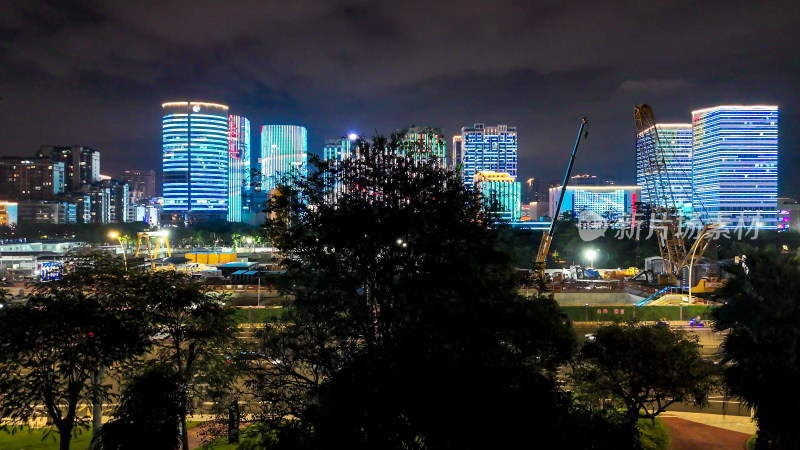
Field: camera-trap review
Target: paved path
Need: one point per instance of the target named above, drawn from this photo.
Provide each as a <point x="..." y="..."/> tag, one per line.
<point x="688" y="435"/>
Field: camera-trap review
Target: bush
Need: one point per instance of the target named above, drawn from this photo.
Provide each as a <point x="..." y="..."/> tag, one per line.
<point x="654" y="435"/>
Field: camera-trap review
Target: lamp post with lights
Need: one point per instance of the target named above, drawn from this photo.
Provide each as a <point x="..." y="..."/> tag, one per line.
<point x="591" y="255"/>
<point x="115" y="235"/>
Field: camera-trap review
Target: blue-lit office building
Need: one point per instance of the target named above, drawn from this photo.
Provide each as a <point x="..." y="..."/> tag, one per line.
<point x="284" y="154"/>
<point x="488" y="149"/>
<point x="609" y="202"/>
<point x="238" y="168"/>
<point x="675" y="142"/>
<point x="735" y="164"/>
<point x="195" y="143"/>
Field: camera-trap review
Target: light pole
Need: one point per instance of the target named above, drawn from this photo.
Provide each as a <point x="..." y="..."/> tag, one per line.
<point x="591" y="255"/>
<point x="251" y="241"/>
<point x="691" y="261"/>
<point x="115" y="235"/>
<point x="258" y="268"/>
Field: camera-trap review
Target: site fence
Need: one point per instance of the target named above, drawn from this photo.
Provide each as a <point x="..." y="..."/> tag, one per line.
<point x="606" y="313"/>
<point x="591" y="313"/>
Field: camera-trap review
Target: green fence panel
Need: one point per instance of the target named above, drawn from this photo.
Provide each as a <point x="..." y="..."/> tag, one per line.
<point x="610" y="313"/>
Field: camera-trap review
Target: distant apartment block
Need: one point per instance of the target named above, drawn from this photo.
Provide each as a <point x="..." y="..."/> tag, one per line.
<point x="30" y="178"/>
<point x="81" y="164"/>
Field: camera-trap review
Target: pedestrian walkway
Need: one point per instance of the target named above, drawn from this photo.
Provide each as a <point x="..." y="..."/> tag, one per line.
<point x="688" y="435"/>
<point x="741" y="424"/>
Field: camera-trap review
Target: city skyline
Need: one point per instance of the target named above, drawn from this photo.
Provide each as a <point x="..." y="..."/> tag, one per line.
<point x="545" y="72"/>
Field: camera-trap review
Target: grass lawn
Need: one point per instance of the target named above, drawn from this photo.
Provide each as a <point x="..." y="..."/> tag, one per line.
<point x="654" y="435"/>
<point x="221" y="443"/>
<point x="27" y="439"/>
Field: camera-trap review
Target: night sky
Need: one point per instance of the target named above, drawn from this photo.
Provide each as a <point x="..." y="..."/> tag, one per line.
<point x="96" y="72"/>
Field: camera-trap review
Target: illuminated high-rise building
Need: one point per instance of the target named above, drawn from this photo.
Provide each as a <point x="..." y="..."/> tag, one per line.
<point x="456" y="153"/>
<point x="81" y="164"/>
<point x="675" y="142"/>
<point x="533" y="191"/>
<point x="141" y="181"/>
<point x="502" y="192"/>
<point x="284" y="154"/>
<point x="735" y="164"/>
<point x="488" y="149"/>
<point x="196" y="143"/>
<point x="426" y="143"/>
<point x="30" y="178"/>
<point x="337" y="149"/>
<point x="238" y="167"/>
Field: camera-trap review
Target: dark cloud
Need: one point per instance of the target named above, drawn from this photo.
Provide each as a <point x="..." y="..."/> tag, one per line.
<point x="96" y="72"/>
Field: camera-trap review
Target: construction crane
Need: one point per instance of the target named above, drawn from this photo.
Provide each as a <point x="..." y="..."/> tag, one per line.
<point x="540" y="266"/>
<point x="652" y="162"/>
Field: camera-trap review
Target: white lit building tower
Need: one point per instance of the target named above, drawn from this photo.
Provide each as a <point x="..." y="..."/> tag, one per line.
<point x="735" y="164"/>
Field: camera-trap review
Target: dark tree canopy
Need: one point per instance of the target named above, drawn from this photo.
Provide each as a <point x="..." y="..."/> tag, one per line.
<point x="761" y="351"/>
<point x="646" y="368"/>
<point x="192" y="329"/>
<point x="51" y="346"/>
<point x="406" y="330"/>
<point x="148" y="414"/>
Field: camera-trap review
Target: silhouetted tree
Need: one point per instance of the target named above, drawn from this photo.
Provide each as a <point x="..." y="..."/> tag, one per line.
<point x="406" y="330"/>
<point x="644" y="368"/>
<point x="148" y="414"/>
<point x="51" y="346"/>
<point x="760" y="351"/>
<point x="193" y="330"/>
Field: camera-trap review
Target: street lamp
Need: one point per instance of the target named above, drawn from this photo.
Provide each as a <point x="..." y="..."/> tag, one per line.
<point x="591" y="255"/>
<point x="696" y="244"/>
<point x="251" y="241"/>
<point x="115" y="235"/>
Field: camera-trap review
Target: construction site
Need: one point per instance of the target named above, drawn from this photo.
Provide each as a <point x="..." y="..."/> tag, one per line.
<point x="681" y="275"/>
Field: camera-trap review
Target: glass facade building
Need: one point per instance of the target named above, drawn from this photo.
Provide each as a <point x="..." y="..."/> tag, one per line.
<point x="676" y="147"/>
<point x="488" y="149"/>
<point x="502" y="191"/>
<point x="284" y="153"/>
<point x="337" y="149"/>
<point x="426" y="143"/>
<point x="608" y="202"/>
<point x="238" y="167"/>
<point x="735" y="164"/>
<point x="195" y="140"/>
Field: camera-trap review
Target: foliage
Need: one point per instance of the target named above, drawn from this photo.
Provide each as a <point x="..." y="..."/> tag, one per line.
<point x="406" y="329"/>
<point x="148" y="414"/>
<point x="645" y="368"/>
<point x="762" y="318"/>
<point x="194" y="330"/>
<point x="654" y="435"/>
<point x="49" y="349"/>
